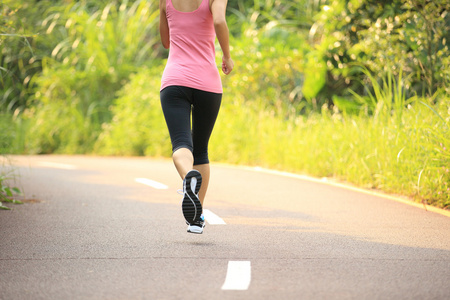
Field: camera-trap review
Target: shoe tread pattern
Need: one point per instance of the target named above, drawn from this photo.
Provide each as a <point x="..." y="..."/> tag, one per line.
<point x="191" y="206"/>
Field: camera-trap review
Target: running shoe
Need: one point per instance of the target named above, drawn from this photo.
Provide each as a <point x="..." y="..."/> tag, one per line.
<point x="191" y="206"/>
<point x="197" y="227"/>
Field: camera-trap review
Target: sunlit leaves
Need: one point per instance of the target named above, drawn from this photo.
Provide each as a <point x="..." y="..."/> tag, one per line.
<point x="386" y="36"/>
<point x="96" y="49"/>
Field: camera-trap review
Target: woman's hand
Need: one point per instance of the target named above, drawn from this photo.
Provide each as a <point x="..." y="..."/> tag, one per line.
<point x="227" y="65"/>
<point x="218" y="9"/>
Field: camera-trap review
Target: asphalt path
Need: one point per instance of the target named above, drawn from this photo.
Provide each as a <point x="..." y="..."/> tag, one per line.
<point x="112" y="228"/>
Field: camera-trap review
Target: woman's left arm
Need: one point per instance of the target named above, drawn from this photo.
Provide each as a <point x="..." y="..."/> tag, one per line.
<point x="163" y="25"/>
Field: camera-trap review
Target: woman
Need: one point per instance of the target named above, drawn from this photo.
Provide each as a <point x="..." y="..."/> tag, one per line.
<point x="191" y="83"/>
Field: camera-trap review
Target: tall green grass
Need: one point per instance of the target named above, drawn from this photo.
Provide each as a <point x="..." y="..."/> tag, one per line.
<point x="394" y="144"/>
<point x="97" y="50"/>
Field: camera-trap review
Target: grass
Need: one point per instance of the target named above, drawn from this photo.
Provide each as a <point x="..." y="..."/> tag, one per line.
<point x="412" y="159"/>
<point x="7" y="192"/>
<point x="9" y="136"/>
<point x="97" y="50"/>
<point x="396" y="145"/>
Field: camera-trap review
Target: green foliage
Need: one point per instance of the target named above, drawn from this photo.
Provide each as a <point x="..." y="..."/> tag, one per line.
<point x="293" y="14"/>
<point x="138" y="126"/>
<point x="97" y="51"/>
<point x="388" y="98"/>
<point x="12" y="133"/>
<point x="19" y="52"/>
<point x="384" y="36"/>
<point x="113" y="39"/>
<point x="7" y="192"/>
<point x="278" y="67"/>
<point x="67" y="119"/>
<point x="407" y="153"/>
<point x="7" y="130"/>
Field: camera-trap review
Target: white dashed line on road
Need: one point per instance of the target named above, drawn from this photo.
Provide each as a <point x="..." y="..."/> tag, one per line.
<point x="212" y="218"/>
<point x="48" y="164"/>
<point x="238" y="276"/>
<point x="152" y="183"/>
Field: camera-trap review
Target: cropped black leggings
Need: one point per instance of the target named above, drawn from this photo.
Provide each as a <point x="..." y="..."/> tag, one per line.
<point x="177" y="102"/>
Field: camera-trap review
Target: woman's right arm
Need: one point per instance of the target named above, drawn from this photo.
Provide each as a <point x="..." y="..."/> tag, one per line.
<point x="163" y="25"/>
<point x="218" y="10"/>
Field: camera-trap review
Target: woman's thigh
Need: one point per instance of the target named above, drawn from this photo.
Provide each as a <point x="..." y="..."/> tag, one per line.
<point x="176" y="106"/>
<point x="206" y="107"/>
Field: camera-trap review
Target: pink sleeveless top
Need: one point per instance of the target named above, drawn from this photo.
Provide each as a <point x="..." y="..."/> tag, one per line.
<point x="191" y="61"/>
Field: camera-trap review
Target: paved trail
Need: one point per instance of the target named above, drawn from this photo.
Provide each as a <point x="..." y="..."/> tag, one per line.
<point x="112" y="228"/>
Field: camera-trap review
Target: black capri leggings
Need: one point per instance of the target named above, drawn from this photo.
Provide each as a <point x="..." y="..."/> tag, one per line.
<point x="177" y="102"/>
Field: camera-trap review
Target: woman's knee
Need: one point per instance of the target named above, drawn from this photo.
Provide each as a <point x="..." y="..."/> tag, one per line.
<point x="201" y="158"/>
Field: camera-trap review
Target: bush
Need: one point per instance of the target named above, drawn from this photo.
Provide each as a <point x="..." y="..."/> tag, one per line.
<point x="384" y="36"/>
<point x="21" y="50"/>
<point x="138" y="126"/>
<point x="408" y="155"/>
<point x="7" y="130"/>
<point x="98" y="49"/>
<point x="71" y="107"/>
<point x="279" y="68"/>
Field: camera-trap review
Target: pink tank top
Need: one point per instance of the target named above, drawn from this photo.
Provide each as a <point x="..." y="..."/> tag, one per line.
<point x="191" y="61"/>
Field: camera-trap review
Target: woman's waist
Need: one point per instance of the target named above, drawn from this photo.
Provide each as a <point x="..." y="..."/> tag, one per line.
<point x="191" y="64"/>
<point x="192" y="69"/>
<point x="201" y="78"/>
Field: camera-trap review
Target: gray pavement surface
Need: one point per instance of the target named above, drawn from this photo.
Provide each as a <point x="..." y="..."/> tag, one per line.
<point x="90" y="231"/>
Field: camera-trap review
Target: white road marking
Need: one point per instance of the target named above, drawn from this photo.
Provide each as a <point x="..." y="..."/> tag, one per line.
<point x="152" y="183"/>
<point x="56" y="165"/>
<point x="212" y="218"/>
<point x="238" y="276"/>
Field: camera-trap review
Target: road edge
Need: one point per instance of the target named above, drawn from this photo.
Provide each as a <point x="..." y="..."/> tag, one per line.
<point x="327" y="181"/>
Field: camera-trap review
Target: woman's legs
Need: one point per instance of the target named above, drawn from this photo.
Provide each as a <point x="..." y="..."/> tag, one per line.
<point x="190" y="146"/>
<point x="183" y="161"/>
<point x="206" y="107"/>
<point x="176" y="102"/>
<point x="204" y="170"/>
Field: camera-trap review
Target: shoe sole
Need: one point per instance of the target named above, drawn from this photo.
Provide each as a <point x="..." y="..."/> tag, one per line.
<point x="191" y="206"/>
<point x="197" y="230"/>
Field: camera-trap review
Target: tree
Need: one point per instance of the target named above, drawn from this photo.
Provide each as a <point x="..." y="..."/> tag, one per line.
<point x="383" y="36"/>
